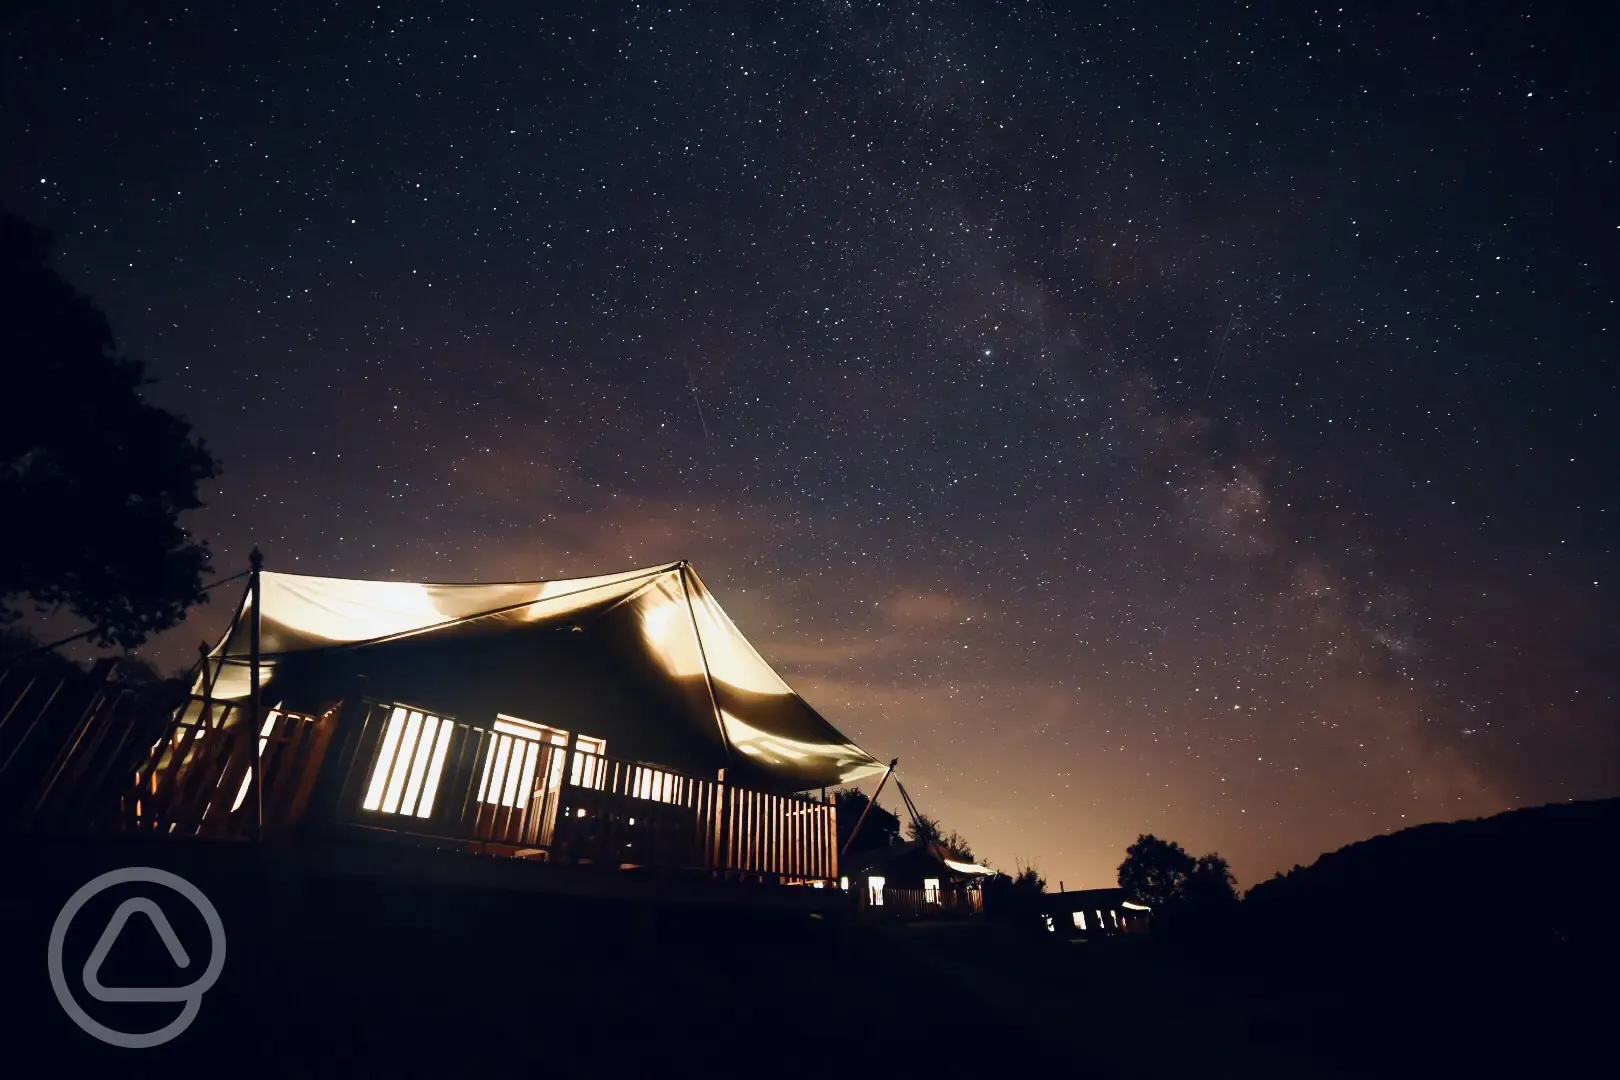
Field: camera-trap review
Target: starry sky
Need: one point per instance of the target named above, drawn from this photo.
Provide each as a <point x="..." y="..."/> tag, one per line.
<point x="1186" y="418"/>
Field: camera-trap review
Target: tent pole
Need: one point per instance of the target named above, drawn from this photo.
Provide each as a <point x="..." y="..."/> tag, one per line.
<point x="255" y="759"/>
<point x="869" y="804"/>
<point x="206" y="716"/>
<point x="916" y="818"/>
<point x="703" y="654"/>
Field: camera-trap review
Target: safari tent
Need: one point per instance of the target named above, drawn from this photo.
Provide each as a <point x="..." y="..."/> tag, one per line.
<point x="620" y="720"/>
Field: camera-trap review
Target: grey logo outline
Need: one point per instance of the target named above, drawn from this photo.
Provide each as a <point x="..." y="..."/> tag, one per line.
<point x="191" y="995"/>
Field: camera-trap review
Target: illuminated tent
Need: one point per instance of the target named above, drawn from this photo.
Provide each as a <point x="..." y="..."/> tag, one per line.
<point x="646" y="660"/>
<point x="908" y="866"/>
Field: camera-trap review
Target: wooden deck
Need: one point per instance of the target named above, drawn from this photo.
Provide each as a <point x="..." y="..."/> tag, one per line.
<point x="107" y="759"/>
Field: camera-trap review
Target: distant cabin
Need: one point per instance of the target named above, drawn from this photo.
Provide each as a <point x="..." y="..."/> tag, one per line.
<point x="1093" y="913"/>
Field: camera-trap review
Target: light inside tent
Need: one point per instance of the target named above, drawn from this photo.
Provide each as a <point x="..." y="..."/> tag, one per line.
<point x="666" y="626"/>
<point x="409" y="765"/>
<point x="732" y="660"/>
<point x="967" y="867"/>
<point x="851" y="759"/>
<point x="247" y="776"/>
<point x="589" y="769"/>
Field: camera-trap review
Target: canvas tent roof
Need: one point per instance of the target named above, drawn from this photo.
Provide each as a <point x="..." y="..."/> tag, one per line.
<point x="647" y="657"/>
<point x="915" y="851"/>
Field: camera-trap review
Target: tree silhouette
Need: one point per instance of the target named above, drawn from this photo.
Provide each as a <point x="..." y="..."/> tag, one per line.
<point x="93" y="479"/>
<point x="881" y="830"/>
<point x="1015" y="897"/>
<point x="1162" y="875"/>
<point x="1155" y="870"/>
<point x="1028" y="881"/>
<point x="929" y="829"/>
<point x="1210" y="885"/>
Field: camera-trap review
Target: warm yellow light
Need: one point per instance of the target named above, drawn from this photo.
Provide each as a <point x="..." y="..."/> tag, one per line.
<point x="967" y="867"/>
<point x="854" y="762"/>
<point x="666" y="627"/>
<point x="732" y="660"/>
<point x="385" y="759"/>
<point x="420" y="740"/>
<point x="247" y="775"/>
<point x="435" y="770"/>
<point x="419" y="764"/>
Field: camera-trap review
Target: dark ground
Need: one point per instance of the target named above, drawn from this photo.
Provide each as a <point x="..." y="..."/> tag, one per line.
<point x="377" y="977"/>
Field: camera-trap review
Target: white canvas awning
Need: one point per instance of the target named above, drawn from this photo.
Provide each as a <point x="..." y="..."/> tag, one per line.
<point x="657" y="631"/>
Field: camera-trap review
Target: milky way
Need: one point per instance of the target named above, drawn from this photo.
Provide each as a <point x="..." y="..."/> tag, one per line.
<point x="1145" y="420"/>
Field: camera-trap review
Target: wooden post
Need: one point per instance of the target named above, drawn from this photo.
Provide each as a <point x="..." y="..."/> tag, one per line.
<point x="869" y="804"/>
<point x="830" y="838"/>
<point x="561" y="831"/>
<point x="254" y="721"/>
<point x="722" y="824"/>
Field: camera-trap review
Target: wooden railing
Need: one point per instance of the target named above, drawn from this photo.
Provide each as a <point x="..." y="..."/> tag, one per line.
<point x="409" y="772"/>
<point x="125" y="760"/>
<point x="195" y="779"/>
<point x="943" y="902"/>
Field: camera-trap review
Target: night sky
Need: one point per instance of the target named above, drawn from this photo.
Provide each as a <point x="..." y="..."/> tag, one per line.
<point x="1176" y="418"/>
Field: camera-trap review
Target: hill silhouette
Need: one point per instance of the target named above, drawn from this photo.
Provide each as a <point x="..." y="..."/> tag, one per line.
<point x="1543" y="877"/>
<point x="1479" y="947"/>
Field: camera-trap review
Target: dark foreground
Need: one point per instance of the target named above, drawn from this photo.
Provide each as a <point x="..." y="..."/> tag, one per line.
<point x="331" y="975"/>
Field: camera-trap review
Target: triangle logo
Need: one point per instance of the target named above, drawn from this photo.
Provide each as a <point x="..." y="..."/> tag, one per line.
<point x="115" y="926"/>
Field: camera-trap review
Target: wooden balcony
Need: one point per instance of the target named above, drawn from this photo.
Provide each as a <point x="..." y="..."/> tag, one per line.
<point x="405" y="771"/>
<point x="395" y="772"/>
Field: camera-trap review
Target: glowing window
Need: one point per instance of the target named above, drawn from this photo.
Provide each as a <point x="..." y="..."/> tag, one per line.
<point x="589" y="770"/>
<point x="520" y="749"/>
<point x="1079" y="920"/>
<point x="843" y="883"/>
<point x="516" y="749"/>
<point x="1049" y="925"/>
<point x="409" y="764"/>
<point x="874" y="891"/>
<point x="931" y="890"/>
<point x="1115" y="916"/>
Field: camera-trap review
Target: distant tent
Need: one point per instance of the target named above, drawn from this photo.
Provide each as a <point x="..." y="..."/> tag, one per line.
<point x="907" y="865"/>
<point x="646" y="660"/>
